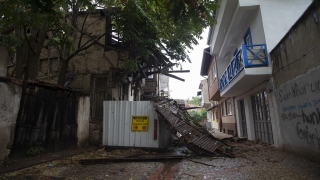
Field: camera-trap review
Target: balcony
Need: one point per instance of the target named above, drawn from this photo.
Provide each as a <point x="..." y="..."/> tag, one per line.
<point x="247" y="68"/>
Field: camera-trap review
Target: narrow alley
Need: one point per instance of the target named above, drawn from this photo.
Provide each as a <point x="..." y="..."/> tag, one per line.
<point x="254" y="160"/>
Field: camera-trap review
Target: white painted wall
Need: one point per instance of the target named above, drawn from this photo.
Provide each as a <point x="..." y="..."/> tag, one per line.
<point x="205" y="103"/>
<point x="164" y="83"/>
<point x="269" y="21"/>
<point x="10" y="96"/>
<point x="215" y="121"/>
<point x="83" y="117"/>
<point x="299" y="107"/>
<point x="278" y="17"/>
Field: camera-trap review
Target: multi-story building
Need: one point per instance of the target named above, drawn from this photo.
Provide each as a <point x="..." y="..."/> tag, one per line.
<point x="212" y="122"/>
<point x="220" y="111"/>
<point x="98" y="70"/>
<point x="240" y="66"/>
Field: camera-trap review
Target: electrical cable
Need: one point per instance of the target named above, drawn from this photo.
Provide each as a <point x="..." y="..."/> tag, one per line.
<point x="305" y="54"/>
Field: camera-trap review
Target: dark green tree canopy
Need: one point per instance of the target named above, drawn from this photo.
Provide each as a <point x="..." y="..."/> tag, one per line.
<point x="156" y="33"/>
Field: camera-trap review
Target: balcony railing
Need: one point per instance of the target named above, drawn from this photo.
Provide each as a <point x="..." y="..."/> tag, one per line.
<point x="248" y="56"/>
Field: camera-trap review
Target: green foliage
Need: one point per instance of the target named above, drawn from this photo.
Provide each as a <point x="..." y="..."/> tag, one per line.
<point x="156" y="31"/>
<point x="35" y="150"/>
<point x="198" y="115"/>
<point x="169" y="27"/>
<point x="195" y="101"/>
<point x="26" y="15"/>
<point x="130" y="65"/>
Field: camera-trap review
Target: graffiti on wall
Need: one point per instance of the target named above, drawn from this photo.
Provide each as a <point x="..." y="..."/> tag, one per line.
<point x="299" y="102"/>
<point x="6" y="113"/>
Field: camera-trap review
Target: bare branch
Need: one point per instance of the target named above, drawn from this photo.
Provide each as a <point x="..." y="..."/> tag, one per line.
<point x="27" y="39"/>
<point x="85" y="19"/>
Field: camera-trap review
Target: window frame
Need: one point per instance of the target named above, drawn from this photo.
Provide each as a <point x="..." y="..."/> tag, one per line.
<point x="214" y="72"/>
<point x="228" y="107"/>
<point x="246" y="36"/>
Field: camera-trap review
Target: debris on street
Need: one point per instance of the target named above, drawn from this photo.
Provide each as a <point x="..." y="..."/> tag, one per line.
<point x="192" y="135"/>
<point x="135" y="159"/>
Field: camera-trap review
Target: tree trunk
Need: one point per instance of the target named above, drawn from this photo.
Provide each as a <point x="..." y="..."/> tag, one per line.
<point x="62" y="72"/>
<point x="21" y="54"/>
<point x="34" y="51"/>
<point x="3" y="60"/>
<point x="30" y="65"/>
<point x="65" y="56"/>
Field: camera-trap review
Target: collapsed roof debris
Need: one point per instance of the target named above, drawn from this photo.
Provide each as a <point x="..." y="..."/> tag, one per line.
<point x="193" y="136"/>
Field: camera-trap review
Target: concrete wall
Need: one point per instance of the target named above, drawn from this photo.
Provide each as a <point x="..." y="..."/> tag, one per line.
<point x="299" y="108"/>
<point x="296" y="81"/>
<point x="83" y="117"/>
<point x="10" y="96"/>
<point x="205" y="103"/>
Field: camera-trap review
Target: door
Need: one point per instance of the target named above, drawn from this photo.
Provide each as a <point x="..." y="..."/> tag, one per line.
<point x="261" y="117"/>
<point x="243" y="119"/>
<point x="100" y="93"/>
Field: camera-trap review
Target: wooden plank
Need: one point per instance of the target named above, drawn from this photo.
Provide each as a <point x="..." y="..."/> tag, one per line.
<point x="115" y="160"/>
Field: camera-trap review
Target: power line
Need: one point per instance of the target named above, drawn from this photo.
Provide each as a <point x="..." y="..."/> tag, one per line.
<point x="303" y="55"/>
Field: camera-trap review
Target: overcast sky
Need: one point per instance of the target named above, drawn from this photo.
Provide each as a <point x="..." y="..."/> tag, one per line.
<point x="190" y="87"/>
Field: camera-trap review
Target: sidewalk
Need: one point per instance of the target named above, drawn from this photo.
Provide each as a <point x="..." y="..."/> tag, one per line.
<point x="17" y="163"/>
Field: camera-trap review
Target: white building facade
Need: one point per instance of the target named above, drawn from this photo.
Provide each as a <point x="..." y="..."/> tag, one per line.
<point x="240" y="42"/>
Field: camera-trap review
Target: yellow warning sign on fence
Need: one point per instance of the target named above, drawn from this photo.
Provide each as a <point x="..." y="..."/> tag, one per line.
<point x="139" y="123"/>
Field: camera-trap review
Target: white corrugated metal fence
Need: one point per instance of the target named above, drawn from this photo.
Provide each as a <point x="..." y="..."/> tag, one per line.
<point x="117" y="121"/>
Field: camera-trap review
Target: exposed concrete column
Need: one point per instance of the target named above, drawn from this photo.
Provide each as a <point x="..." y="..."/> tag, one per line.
<point x="83" y="121"/>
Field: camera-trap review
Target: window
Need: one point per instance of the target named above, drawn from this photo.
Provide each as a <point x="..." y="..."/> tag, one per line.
<point x="214" y="72"/>
<point x="228" y="107"/>
<point x="247" y="37"/>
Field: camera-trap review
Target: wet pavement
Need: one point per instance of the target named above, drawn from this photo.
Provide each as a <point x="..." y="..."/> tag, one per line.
<point x="254" y="160"/>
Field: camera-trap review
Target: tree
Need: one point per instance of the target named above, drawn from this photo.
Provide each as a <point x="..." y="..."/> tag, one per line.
<point x="195" y="101"/>
<point x="23" y="29"/>
<point x="155" y="33"/>
<point x="198" y="115"/>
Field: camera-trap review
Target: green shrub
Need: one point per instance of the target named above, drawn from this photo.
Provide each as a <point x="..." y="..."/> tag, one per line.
<point x="35" y="150"/>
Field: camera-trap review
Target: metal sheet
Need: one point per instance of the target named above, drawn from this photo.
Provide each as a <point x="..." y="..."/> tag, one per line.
<point x="117" y="116"/>
<point x="192" y="135"/>
<point x="48" y="117"/>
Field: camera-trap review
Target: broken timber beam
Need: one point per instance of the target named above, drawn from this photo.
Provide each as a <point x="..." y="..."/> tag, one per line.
<point x="116" y="160"/>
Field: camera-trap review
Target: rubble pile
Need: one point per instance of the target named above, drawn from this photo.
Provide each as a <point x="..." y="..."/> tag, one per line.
<point x="192" y="135"/>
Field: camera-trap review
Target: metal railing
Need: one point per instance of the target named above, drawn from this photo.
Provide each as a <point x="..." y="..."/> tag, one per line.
<point x="254" y="55"/>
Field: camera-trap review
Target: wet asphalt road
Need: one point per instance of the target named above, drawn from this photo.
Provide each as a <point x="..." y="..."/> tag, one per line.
<point x="253" y="161"/>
